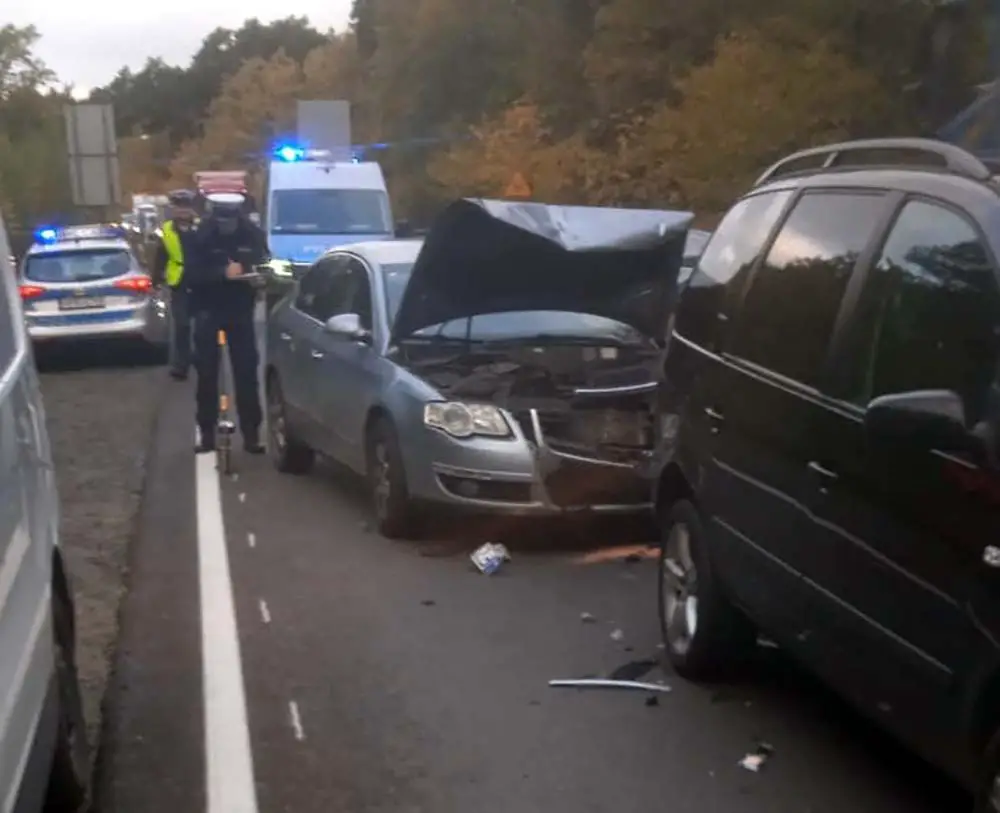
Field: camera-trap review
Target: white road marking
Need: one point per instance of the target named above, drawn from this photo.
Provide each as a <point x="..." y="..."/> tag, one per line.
<point x="229" y="762"/>
<point x="243" y="497"/>
<point x="252" y="539"/>
<point x="293" y="710"/>
<point x="265" y="613"/>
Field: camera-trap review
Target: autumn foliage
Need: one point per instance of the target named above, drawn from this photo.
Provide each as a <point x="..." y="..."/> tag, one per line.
<point x="636" y="102"/>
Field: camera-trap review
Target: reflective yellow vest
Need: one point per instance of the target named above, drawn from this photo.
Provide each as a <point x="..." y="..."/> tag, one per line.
<point x="175" y="254"/>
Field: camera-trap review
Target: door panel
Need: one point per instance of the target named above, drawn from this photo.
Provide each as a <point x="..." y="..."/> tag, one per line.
<point x="904" y="525"/>
<point x="765" y="404"/>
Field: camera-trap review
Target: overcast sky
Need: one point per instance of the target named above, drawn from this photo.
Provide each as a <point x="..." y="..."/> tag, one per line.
<point x="86" y="42"/>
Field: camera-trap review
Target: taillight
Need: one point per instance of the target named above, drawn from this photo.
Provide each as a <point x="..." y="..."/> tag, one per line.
<point x="140" y="285"/>
<point x="31" y="291"/>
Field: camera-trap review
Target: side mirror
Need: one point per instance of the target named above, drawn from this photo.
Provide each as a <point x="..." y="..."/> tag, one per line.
<point x="349" y="326"/>
<point x="403" y="228"/>
<point x="932" y="419"/>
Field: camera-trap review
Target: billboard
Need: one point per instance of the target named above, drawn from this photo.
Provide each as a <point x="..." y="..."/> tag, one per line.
<point x="326" y="125"/>
<point x="93" y="154"/>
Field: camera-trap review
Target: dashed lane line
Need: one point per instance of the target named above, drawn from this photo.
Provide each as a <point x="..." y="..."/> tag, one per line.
<point x="229" y="772"/>
<point x="296" y="718"/>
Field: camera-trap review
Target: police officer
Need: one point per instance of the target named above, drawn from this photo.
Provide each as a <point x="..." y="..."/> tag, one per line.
<point x="227" y="246"/>
<point x="175" y="243"/>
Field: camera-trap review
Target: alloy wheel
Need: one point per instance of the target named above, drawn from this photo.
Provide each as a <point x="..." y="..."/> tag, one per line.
<point x="680" y="586"/>
<point x="381" y="480"/>
<point x="276" y="422"/>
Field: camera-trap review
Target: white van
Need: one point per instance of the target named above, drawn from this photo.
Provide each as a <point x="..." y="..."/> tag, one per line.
<point x="315" y="203"/>
<point x="44" y="758"/>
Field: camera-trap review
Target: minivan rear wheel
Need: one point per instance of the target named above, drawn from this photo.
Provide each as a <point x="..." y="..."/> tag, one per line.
<point x="704" y="635"/>
<point x="69" y="778"/>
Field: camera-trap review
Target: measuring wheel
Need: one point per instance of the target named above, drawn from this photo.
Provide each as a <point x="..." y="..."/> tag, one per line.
<point x="225" y="428"/>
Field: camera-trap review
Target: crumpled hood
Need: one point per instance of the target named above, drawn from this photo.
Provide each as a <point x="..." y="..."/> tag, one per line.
<point x="488" y="256"/>
<point x="307" y="248"/>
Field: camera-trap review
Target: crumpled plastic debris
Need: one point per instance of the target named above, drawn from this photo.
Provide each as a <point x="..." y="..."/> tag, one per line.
<point x="757" y="758"/>
<point x="489" y="557"/>
<point x="617" y="635"/>
<point x="587" y="618"/>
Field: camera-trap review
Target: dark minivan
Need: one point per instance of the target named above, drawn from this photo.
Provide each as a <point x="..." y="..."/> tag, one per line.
<point x="832" y="429"/>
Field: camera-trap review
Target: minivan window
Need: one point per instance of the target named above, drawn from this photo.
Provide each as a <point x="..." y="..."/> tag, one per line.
<point x="929" y="314"/>
<point x="737" y="241"/>
<point x="77" y="266"/>
<point x="789" y="312"/>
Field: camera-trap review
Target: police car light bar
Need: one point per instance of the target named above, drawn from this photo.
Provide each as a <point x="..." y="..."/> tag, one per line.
<point x="52" y="234"/>
<point x="292" y="153"/>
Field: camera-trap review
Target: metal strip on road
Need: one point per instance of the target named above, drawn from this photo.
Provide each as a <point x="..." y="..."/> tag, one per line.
<point x="228" y="759"/>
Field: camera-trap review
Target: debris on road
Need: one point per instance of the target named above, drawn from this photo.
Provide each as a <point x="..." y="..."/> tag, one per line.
<point x="605" y="683"/>
<point x="632" y="558"/>
<point x="617" y="635"/>
<point x="428" y="602"/>
<point x="587" y="618"/>
<point x="757" y="758"/>
<point x="489" y="557"/>
<point x="652" y="700"/>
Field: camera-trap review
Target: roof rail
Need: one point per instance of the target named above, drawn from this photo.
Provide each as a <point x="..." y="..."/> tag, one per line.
<point x="923" y="153"/>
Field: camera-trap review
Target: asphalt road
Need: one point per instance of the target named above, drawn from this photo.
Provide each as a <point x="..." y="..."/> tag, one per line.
<point x="379" y="678"/>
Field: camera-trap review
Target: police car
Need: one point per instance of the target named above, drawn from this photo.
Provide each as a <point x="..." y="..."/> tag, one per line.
<point x="85" y="282"/>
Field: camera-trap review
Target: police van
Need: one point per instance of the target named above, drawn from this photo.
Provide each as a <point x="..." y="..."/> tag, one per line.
<point x="314" y="203"/>
<point x="85" y="282"/>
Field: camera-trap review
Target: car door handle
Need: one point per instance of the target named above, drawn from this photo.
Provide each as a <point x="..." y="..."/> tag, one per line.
<point x="825" y="475"/>
<point x="715" y="418"/>
<point x="317" y="354"/>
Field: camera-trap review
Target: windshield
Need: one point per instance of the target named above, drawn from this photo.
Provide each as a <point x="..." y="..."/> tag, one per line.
<point x="77" y="266"/>
<point x="516" y="325"/>
<point x="396" y="276"/>
<point x="330" y="211"/>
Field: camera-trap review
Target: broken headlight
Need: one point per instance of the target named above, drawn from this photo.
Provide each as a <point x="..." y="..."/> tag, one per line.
<point x="465" y="420"/>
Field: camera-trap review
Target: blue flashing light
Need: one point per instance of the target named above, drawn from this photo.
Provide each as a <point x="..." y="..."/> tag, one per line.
<point x="46" y="234"/>
<point x="289" y="153"/>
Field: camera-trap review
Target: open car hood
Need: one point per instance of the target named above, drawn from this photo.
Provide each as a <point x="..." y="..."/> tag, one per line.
<point x="488" y="256"/>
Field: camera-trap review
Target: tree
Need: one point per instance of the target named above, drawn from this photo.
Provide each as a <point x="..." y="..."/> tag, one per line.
<point x="20" y="69"/>
<point x="784" y="86"/>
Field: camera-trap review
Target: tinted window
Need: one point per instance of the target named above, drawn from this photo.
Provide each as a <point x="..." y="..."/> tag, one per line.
<point x="77" y="266"/>
<point x="737" y="241"/>
<point x="330" y="211"/>
<point x="789" y="311"/>
<point x="929" y="315"/>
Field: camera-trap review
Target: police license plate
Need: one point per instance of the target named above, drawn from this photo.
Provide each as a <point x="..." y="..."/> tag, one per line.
<point x="81" y="303"/>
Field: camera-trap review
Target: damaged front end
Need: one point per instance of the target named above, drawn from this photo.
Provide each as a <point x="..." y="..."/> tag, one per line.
<point x="586" y="411"/>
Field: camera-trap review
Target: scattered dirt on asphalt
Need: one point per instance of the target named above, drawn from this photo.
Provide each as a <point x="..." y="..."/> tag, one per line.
<point x="100" y="422"/>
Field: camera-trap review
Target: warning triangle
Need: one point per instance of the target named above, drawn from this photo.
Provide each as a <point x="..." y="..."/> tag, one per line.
<point x="518" y="187"/>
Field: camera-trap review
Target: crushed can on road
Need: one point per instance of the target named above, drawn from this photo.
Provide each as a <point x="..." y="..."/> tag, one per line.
<point x="489" y="557"/>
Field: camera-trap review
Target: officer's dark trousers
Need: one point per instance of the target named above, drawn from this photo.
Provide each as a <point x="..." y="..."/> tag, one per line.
<point x="180" y="330"/>
<point x="242" y="343"/>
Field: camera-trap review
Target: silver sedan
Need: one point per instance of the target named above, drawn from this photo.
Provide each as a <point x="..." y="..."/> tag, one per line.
<point x="498" y="367"/>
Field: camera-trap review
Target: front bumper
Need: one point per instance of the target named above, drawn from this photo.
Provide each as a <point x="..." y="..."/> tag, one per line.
<point x="523" y="475"/>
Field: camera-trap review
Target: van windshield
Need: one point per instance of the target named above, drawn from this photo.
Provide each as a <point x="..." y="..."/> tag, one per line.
<point x="77" y="266"/>
<point x="330" y="211"/>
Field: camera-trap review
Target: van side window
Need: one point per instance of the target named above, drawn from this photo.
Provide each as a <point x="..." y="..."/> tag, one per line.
<point x="929" y="314"/>
<point x="789" y="312"/>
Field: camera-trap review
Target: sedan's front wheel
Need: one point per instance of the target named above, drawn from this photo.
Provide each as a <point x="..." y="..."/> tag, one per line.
<point x="704" y="635"/>
<point x="391" y="504"/>
<point x="288" y="453"/>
